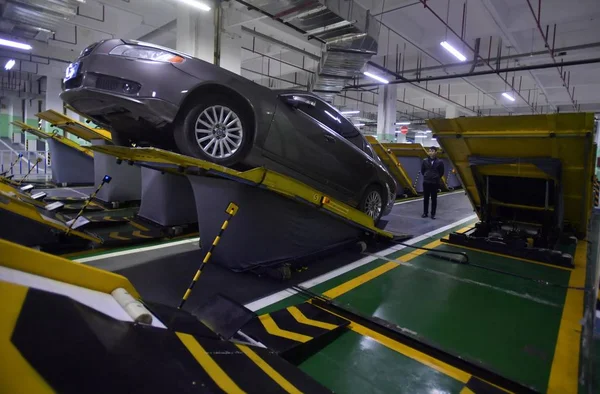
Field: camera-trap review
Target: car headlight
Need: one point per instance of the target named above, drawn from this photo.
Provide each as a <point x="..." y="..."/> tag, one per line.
<point x="146" y="53"/>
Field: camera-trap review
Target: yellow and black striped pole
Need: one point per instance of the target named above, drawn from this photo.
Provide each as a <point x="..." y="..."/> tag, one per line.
<point x="231" y="211"/>
<point x="106" y="179"/>
<point x="29" y="172"/>
<point x="596" y="191"/>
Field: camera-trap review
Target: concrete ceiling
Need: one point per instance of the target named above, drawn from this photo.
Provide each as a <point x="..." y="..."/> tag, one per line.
<point x="410" y="32"/>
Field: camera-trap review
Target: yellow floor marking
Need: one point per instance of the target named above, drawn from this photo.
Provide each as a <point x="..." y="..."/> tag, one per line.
<point x="509" y="257"/>
<point x="115" y="235"/>
<point x="273" y="329"/>
<point x="215" y="372"/>
<point x="273" y="374"/>
<point x="407" y="351"/>
<point x="140" y="235"/>
<point x="299" y="316"/>
<point x="565" y="365"/>
<point x="138" y="226"/>
<point x="368" y="276"/>
<point x="466" y="390"/>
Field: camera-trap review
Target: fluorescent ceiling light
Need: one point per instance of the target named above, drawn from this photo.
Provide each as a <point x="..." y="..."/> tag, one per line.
<point x="358" y="124"/>
<point x="402" y="123"/>
<point x="419" y="136"/>
<point x="14" y="44"/>
<point x="376" y="77"/>
<point x="428" y="131"/>
<point x="508" y="96"/>
<point x="349" y="112"/>
<point x="453" y="51"/>
<point x="333" y="117"/>
<point x="9" y="64"/>
<point x="196" y="4"/>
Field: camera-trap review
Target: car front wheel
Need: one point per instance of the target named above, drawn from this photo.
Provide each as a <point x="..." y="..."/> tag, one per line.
<point x="216" y="129"/>
<point x="372" y="203"/>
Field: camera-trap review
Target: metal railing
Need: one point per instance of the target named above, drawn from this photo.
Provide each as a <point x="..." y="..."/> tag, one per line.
<point x="12" y="164"/>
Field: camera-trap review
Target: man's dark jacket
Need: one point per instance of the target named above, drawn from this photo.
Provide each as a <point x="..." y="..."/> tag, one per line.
<point x="432" y="173"/>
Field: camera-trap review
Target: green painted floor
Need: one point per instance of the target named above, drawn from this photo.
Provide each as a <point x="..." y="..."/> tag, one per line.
<point x="505" y="323"/>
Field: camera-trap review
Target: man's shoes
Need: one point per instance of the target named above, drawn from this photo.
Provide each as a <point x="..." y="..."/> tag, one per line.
<point x="424" y="215"/>
<point x="433" y="217"/>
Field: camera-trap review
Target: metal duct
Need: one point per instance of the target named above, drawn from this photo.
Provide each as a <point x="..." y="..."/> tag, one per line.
<point x="349" y="31"/>
<point x="45" y="14"/>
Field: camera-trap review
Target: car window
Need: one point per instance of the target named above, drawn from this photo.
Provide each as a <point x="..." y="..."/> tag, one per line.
<point x="330" y="117"/>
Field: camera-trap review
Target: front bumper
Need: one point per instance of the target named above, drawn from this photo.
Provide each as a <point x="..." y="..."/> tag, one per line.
<point x="100" y="104"/>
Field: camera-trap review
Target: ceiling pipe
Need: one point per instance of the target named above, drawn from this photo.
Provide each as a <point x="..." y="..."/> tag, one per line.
<point x="551" y="50"/>
<point x="478" y="73"/>
<point x="424" y="2"/>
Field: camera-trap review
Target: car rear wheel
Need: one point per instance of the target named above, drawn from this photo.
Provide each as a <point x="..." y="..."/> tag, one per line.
<point x="216" y="129"/>
<point x="372" y="203"/>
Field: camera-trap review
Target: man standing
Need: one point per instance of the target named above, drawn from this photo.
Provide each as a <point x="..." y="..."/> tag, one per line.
<point x="432" y="170"/>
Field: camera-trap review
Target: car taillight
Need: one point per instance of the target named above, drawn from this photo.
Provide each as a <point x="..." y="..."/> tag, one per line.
<point x="146" y="53"/>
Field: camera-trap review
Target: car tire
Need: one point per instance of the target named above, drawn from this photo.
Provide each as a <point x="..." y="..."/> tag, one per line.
<point x="215" y="128"/>
<point x="373" y="202"/>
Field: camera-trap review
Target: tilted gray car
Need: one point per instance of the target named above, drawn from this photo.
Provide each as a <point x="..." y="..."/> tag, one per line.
<point x="146" y="94"/>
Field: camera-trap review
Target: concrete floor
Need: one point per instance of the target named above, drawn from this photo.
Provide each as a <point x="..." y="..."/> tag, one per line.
<point x="505" y="323"/>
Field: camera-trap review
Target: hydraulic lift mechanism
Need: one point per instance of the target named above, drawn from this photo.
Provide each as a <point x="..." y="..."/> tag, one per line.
<point x="529" y="179"/>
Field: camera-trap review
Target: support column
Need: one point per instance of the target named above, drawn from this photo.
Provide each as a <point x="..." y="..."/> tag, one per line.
<point x="386" y="113"/>
<point x="53" y="101"/>
<point x="6" y="117"/>
<point x="451" y="112"/>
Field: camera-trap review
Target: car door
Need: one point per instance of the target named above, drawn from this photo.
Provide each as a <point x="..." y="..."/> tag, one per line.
<point x="300" y="143"/>
<point x="348" y="167"/>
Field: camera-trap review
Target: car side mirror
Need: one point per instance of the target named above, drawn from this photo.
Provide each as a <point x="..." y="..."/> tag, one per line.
<point x="296" y="101"/>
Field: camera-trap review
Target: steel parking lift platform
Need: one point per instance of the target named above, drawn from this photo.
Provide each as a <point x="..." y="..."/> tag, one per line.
<point x="529" y="179"/>
<point x="410" y="157"/>
<point x="72" y="164"/>
<point x="126" y="186"/>
<point x="393" y="165"/>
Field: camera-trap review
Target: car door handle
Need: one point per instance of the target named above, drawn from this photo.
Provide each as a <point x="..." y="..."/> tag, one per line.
<point x="329" y="138"/>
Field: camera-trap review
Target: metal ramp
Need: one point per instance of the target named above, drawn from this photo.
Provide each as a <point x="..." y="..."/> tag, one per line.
<point x="25" y="221"/>
<point x="61" y="317"/>
<point x="73" y="126"/>
<point x="411" y="156"/>
<point x="529" y="179"/>
<point x="393" y="165"/>
<point x="72" y="164"/>
<point x="280" y="220"/>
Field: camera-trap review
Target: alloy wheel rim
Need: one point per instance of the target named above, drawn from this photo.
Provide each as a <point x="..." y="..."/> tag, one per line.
<point x="219" y="132"/>
<point x="373" y="205"/>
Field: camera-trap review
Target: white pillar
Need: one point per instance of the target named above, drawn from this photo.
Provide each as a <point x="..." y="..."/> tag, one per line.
<point x="451" y="112"/>
<point x="231" y="50"/>
<point x="196" y="32"/>
<point x="386" y="113"/>
<point x="53" y="101"/>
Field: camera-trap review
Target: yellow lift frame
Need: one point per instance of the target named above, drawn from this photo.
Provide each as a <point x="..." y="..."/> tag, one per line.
<point x="54" y="136"/>
<point x="281" y="184"/>
<point x="567" y="137"/>
<point x="72" y="126"/>
<point x="393" y="165"/>
<point x="12" y="200"/>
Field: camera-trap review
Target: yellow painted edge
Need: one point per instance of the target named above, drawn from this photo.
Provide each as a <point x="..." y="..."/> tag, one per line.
<point x="565" y="364"/>
<point x="115" y="235"/>
<point x="32" y="261"/>
<point x="138" y="226"/>
<point x="139" y="234"/>
<point x="508" y="257"/>
<point x="368" y="276"/>
<point x="272" y="373"/>
<point x="16" y="374"/>
<point x="213" y="369"/>
<point x="466" y="390"/>
<point x="407" y="351"/>
<point x="301" y="318"/>
<point x="273" y="329"/>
